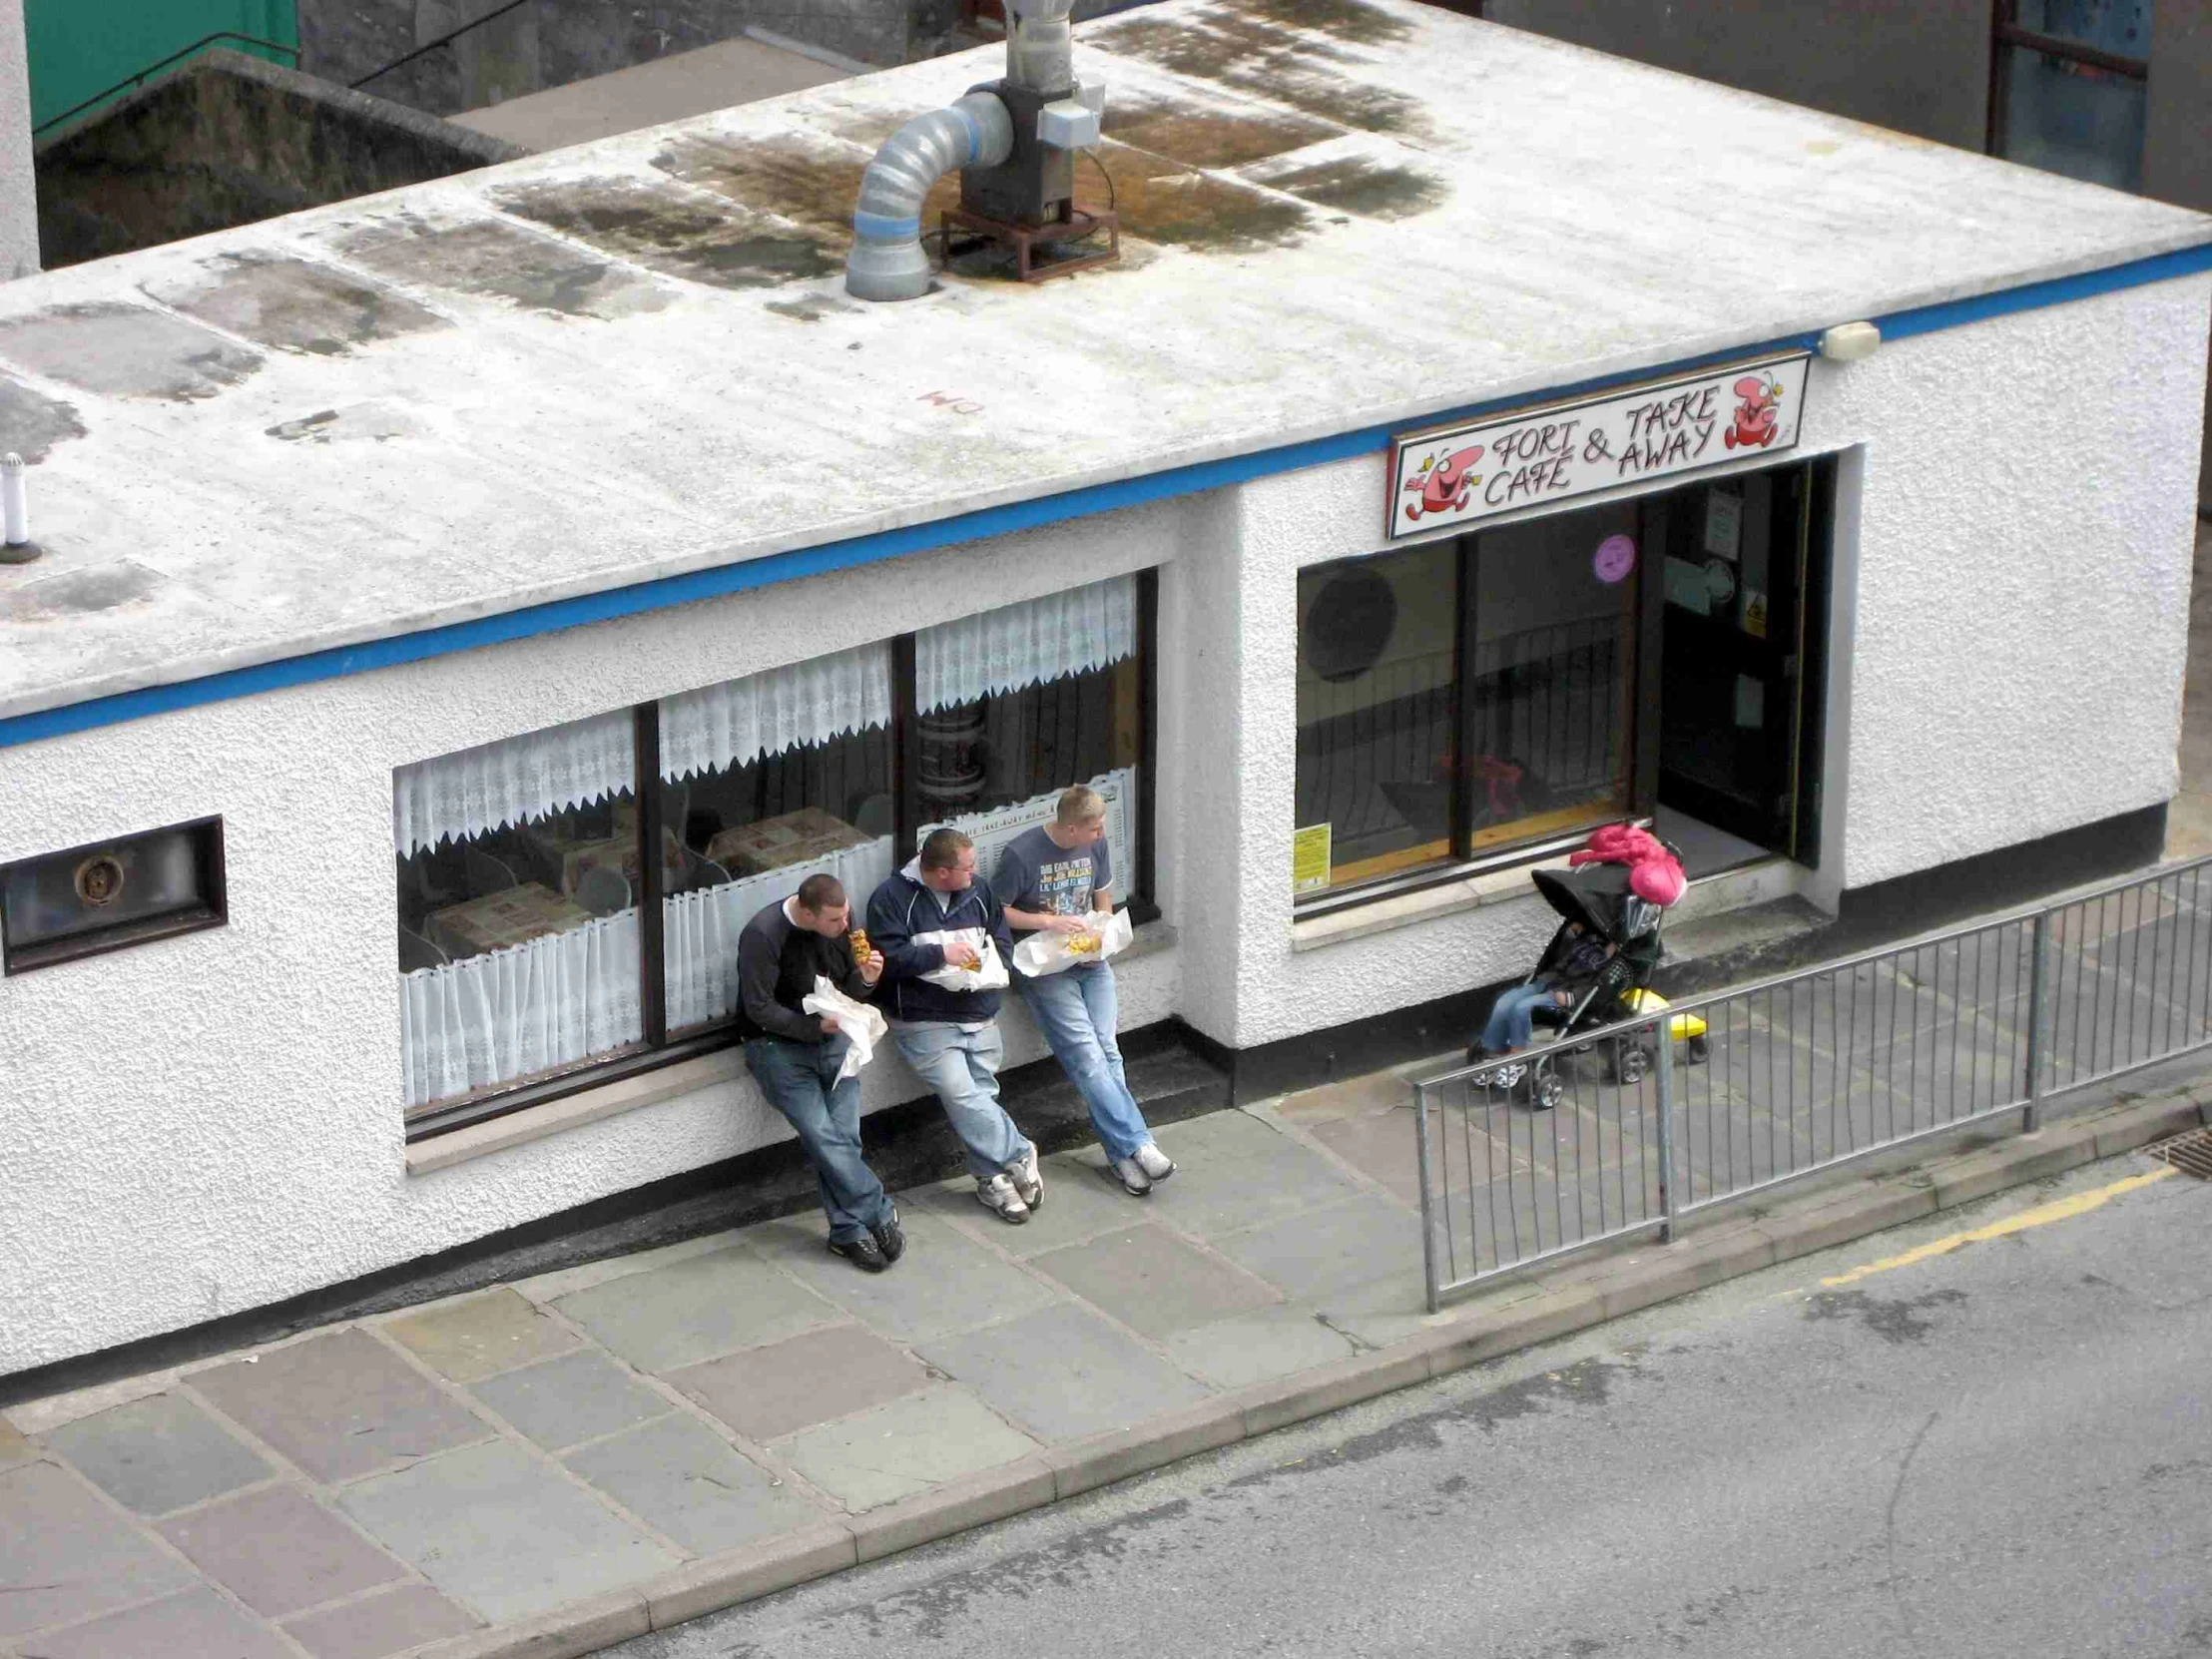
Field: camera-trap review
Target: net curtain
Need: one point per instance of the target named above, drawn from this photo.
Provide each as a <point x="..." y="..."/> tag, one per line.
<point x="1026" y="644"/>
<point x="455" y="797"/>
<point x="763" y="713"/>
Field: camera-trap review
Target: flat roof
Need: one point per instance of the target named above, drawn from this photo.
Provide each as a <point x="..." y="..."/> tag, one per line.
<point x="634" y="359"/>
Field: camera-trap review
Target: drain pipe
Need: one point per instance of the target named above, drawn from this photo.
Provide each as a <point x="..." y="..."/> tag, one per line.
<point x="886" y="261"/>
<point x="1015" y="140"/>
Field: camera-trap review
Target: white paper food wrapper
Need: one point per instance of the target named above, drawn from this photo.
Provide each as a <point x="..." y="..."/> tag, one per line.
<point x="862" y="1026"/>
<point x="991" y="976"/>
<point x="1045" y="952"/>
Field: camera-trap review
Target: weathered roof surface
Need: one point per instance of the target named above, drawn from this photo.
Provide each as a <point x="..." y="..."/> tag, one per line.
<point x="635" y="359"/>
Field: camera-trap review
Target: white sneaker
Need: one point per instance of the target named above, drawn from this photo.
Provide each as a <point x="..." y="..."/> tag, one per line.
<point x="1131" y="1175"/>
<point x="996" y="1193"/>
<point x="1153" y="1162"/>
<point x="1028" y="1180"/>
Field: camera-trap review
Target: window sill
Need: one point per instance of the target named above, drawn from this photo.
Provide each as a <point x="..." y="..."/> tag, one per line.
<point x="573" y="1111"/>
<point x="1493" y="886"/>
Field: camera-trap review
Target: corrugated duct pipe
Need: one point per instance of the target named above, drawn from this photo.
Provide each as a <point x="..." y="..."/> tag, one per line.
<point x="886" y="261"/>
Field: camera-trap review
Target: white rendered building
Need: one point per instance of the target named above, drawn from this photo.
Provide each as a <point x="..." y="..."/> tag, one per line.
<point x="409" y="566"/>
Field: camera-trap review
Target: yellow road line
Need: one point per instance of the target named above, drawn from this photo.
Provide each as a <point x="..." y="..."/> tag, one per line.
<point x="2063" y="1209"/>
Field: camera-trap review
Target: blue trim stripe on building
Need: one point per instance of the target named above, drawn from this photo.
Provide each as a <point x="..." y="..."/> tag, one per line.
<point x="663" y="592"/>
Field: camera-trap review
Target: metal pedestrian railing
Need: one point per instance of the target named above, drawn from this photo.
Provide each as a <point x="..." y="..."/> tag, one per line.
<point x="1626" y="1129"/>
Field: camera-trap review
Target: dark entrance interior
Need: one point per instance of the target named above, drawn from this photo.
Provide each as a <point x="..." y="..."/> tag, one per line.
<point x="1742" y="596"/>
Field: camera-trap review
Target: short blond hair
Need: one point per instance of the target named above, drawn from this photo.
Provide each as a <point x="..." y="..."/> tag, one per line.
<point x="1081" y="805"/>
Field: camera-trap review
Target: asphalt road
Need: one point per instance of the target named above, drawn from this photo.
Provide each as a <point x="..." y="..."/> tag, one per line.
<point x="2001" y="1449"/>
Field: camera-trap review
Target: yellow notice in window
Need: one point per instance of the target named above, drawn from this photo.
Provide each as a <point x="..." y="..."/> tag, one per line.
<point x="1310" y="858"/>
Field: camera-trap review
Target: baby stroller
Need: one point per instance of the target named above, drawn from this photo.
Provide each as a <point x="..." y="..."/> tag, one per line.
<point x="1597" y="902"/>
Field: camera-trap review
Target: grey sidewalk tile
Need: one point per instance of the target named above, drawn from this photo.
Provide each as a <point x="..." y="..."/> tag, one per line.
<point x="481" y="1335"/>
<point x="699" y="1308"/>
<point x="908" y="1446"/>
<point x="158" y="1455"/>
<point x="1381" y="1146"/>
<point x="1255" y="1347"/>
<point x="1063" y="1373"/>
<point x="14" y="1449"/>
<point x="197" y="1625"/>
<point x="707" y="1586"/>
<point x="1383" y="1311"/>
<point x="945" y="1281"/>
<point x="66" y="1555"/>
<point x="379" y="1625"/>
<point x="1309" y="1256"/>
<point x="1233" y="1171"/>
<point x="958" y="1506"/>
<point x="681" y="1480"/>
<point x="1077" y="1205"/>
<point x="1152" y="1281"/>
<point x="338" y="1405"/>
<point x="279" y="1551"/>
<point x="502" y="1532"/>
<point x="576" y="1397"/>
<point x="768" y="1393"/>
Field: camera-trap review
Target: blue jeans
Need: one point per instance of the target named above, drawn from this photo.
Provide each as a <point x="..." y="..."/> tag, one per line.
<point x="1076" y="1010"/>
<point x="1512" y="1024"/>
<point x="962" y="1067"/>
<point x="801" y="1082"/>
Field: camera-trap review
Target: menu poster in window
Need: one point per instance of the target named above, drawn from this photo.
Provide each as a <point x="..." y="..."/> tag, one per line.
<point x="1540" y="456"/>
<point x="1310" y="858"/>
<point x="990" y="832"/>
<point x="1724" y="522"/>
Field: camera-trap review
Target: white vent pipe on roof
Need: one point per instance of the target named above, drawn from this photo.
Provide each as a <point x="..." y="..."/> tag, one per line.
<point x="886" y="261"/>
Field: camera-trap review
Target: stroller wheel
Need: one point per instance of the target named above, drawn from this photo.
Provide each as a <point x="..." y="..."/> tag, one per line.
<point x="1546" y="1089"/>
<point x="1698" y="1049"/>
<point x="1631" y="1063"/>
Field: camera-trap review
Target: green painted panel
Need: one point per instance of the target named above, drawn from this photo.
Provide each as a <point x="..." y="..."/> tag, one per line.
<point x="79" y="50"/>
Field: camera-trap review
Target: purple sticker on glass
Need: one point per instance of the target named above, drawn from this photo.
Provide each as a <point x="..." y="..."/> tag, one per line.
<point x="1615" y="558"/>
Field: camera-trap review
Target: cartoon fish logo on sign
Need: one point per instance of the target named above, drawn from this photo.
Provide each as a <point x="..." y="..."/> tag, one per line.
<point x="1756" y="415"/>
<point x="1444" y="486"/>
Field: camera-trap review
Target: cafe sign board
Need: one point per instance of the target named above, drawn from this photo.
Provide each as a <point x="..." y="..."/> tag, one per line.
<point x="1478" y="469"/>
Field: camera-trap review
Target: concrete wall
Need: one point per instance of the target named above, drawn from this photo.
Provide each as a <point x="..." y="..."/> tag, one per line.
<point x="213" y="1122"/>
<point x="18" y="200"/>
<point x="229" y="139"/>
<point x="556" y="42"/>
<point x="1918" y="66"/>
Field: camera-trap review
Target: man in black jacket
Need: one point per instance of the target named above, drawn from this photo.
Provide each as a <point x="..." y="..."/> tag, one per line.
<point x="796" y="1056"/>
<point x="951" y="1037"/>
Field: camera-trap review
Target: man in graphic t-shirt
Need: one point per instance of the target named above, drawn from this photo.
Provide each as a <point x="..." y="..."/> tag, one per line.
<point x="1052" y="879"/>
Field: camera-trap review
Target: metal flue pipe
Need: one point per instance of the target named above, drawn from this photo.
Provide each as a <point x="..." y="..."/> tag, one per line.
<point x="886" y="261"/>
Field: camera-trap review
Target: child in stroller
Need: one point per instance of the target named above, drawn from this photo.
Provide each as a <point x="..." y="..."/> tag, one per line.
<point x="1598" y="966"/>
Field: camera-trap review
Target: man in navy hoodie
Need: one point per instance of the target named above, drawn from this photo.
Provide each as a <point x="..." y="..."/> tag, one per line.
<point x="951" y="1037"/>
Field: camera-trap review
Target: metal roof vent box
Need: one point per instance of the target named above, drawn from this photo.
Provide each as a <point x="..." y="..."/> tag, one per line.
<point x="1013" y="141"/>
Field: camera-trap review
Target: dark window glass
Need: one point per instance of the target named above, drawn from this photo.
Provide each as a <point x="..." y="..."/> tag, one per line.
<point x="2073" y="100"/>
<point x="112" y="894"/>
<point x="519" y="886"/>
<point x="766" y="781"/>
<point x="1377" y="690"/>
<point x="1013" y="706"/>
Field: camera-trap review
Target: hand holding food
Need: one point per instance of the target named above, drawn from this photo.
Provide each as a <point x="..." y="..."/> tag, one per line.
<point x="962" y="956"/>
<point x="1069" y="924"/>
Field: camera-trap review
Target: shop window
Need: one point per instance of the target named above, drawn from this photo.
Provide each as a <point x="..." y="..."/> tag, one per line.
<point x="766" y="781"/>
<point x="519" y="893"/>
<point x="2067" y="87"/>
<point x="1464" y="698"/>
<point x="528" y="915"/>
<point x="1014" y="705"/>
<point x="109" y="895"/>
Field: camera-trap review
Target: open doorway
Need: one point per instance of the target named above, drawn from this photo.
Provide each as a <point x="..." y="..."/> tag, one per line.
<point x="1743" y="601"/>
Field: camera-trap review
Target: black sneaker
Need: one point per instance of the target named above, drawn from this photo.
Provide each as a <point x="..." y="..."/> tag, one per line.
<point x="863" y="1253"/>
<point x="890" y="1238"/>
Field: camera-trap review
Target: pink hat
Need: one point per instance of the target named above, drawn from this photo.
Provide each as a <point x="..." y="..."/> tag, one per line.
<point x="1658" y="879"/>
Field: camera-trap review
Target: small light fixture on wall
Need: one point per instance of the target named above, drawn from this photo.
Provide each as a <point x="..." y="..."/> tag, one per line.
<point x="15" y="513"/>
<point x="1848" y="343"/>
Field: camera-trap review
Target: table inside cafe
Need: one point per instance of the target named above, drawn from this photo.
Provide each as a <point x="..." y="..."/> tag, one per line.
<point x="515" y="916"/>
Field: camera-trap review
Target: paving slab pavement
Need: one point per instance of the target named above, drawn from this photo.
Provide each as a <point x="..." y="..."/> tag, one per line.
<point x="545" y="1467"/>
